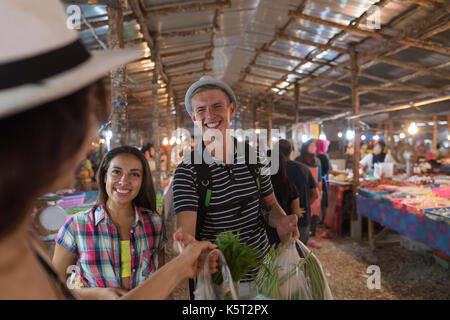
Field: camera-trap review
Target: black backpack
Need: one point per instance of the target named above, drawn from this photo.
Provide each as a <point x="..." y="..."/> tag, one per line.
<point x="204" y="187"/>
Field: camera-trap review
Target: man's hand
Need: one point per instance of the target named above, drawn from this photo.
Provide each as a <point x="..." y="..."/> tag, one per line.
<point x="287" y="228"/>
<point x="194" y="255"/>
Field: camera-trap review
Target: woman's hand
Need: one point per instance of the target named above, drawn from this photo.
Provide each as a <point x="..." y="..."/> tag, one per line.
<point x="194" y="255"/>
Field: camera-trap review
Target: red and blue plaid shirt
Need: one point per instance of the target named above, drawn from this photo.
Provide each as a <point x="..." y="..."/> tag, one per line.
<point x="93" y="237"/>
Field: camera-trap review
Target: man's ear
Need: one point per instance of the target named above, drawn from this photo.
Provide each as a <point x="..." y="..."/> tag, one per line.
<point x="232" y="109"/>
<point x="192" y="114"/>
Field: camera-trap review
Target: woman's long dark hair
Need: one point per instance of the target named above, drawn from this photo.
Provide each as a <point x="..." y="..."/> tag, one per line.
<point x="146" y="197"/>
<point x="37" y="143"/>
<point x="282" y="186"/>
<point x="306" y="157"/>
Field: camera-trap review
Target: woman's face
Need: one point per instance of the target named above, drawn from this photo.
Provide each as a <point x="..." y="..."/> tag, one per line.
<point x="124" y="178"/>
<point x="312" y="148"/>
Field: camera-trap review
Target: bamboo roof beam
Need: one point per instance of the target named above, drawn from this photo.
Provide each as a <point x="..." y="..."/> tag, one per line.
<point x="430" y="33"/>
<point x="186" y="33"/>
<point x="408" y="41"/>
<point x="186" y="74"/>
<point x="142" y="22"/>
<point x="287" y="37"/>
<point x="380" y="4"/>
<point x="406" y="65"/>
<point x="186" y="63"/>
<point x="278" y="70"/>
<point x="402" y="88"/>
<point x="188" y="7"/>
<point x="184" y="52"/>
<point x="290" y="57"/>
<point x="424" y="3"/>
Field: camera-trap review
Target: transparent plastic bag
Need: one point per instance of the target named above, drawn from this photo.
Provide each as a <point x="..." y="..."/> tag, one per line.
<point x="292" y="280"/>
<point x="314" y="274"/>
<point x="208" y="290"/>
<point x="288" y="275"/>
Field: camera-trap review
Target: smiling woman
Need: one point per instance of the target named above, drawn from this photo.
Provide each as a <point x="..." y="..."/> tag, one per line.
<point x="117" y="243"/>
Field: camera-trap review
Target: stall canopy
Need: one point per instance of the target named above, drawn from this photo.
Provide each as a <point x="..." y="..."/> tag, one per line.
<point x="262" y="48"/>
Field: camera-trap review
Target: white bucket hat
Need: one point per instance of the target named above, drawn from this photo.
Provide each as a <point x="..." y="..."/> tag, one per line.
<point x="41" y="59"/>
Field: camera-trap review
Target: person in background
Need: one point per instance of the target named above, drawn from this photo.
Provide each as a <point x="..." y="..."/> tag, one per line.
<point x="379" y="156"/>
<point x="307" y="188"/>
<point x="54" y="113"/>
<point x="286" y="194"/>
<point x="349" y="155"/>
<point x="308" y="158"/>
<point x="84" y="174"/>
<point x="326" y="168"/>
<point x="125" y="215"/>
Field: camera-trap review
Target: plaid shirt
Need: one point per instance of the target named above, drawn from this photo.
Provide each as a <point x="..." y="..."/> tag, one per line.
<point x="93" y="237"/>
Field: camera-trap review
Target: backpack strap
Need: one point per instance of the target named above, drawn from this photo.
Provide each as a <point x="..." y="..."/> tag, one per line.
<point x="254" y="168"/>
<point x="204" y="190"/>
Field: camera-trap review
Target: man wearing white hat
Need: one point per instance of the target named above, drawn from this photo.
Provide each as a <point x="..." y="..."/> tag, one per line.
<point x="225" y="194"/>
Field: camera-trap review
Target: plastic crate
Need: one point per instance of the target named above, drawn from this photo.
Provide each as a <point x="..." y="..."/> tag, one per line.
<point x="72" y="200"/>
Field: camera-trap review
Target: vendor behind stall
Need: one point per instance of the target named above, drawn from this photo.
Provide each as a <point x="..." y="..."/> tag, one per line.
<point x="378" y="156"/>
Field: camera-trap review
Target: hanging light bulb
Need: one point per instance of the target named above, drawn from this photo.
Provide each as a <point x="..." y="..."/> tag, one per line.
<point x="172" y="141"/>
<point x="363" y="137"/>
<point x="376" y="137"/>
<point x="402" y="135"/>
<point x="350" y="134"/>
<point x="257" y="131"/>
<point x="322" y="136"/>
<point x="165" y="141"/>
<point x="178" y="141"/>
<point x="413" y="128"/>
<point x="304" y="138"/>
<point x="340" y="134"/>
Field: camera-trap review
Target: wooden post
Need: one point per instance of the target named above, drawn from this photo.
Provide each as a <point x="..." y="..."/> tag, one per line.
<point x="169" y="133"/>
<point x="118" y="80"/>
<point x="435" y="126"/>
<point x="155" y="123"/>
<point x="295" y="133"/>
<point x="448" y="133"/>
<point x="356" y="124"/>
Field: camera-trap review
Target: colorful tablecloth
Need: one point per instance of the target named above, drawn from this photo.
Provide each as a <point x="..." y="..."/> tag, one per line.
<point x="434" y="234"/>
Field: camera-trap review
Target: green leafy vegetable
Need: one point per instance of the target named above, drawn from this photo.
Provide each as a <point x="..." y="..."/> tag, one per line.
<point x="239" y="256"/>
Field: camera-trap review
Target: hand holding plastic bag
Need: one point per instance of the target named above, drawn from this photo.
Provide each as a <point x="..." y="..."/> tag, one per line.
<point x="208" y="290"/>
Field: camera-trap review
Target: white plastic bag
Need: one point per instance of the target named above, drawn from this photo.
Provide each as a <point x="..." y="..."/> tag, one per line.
<point x="292" y="281"/>
<point x="208" y="290"/>
<point x="314" y="274"/>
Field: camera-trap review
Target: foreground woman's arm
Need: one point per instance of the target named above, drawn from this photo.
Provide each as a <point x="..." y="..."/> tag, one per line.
<point x="164" y="280"/>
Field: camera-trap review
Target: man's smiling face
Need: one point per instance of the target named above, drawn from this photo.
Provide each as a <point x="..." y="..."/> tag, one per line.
<point x="213" y="109"/>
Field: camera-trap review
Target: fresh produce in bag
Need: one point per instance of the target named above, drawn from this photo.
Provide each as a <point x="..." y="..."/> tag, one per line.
<point x="207" y="289"/>
<point x="236" y="257"/>
<point x="285" y="275"/>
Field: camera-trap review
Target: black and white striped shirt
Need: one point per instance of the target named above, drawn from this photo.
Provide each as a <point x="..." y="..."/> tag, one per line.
<point x="230" y="184"/>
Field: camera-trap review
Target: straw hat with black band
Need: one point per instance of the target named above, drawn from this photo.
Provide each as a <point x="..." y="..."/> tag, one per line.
<point x="41" y="59"/>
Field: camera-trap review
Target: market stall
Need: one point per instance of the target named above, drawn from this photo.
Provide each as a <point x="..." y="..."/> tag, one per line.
<point x="417" y="207"/>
